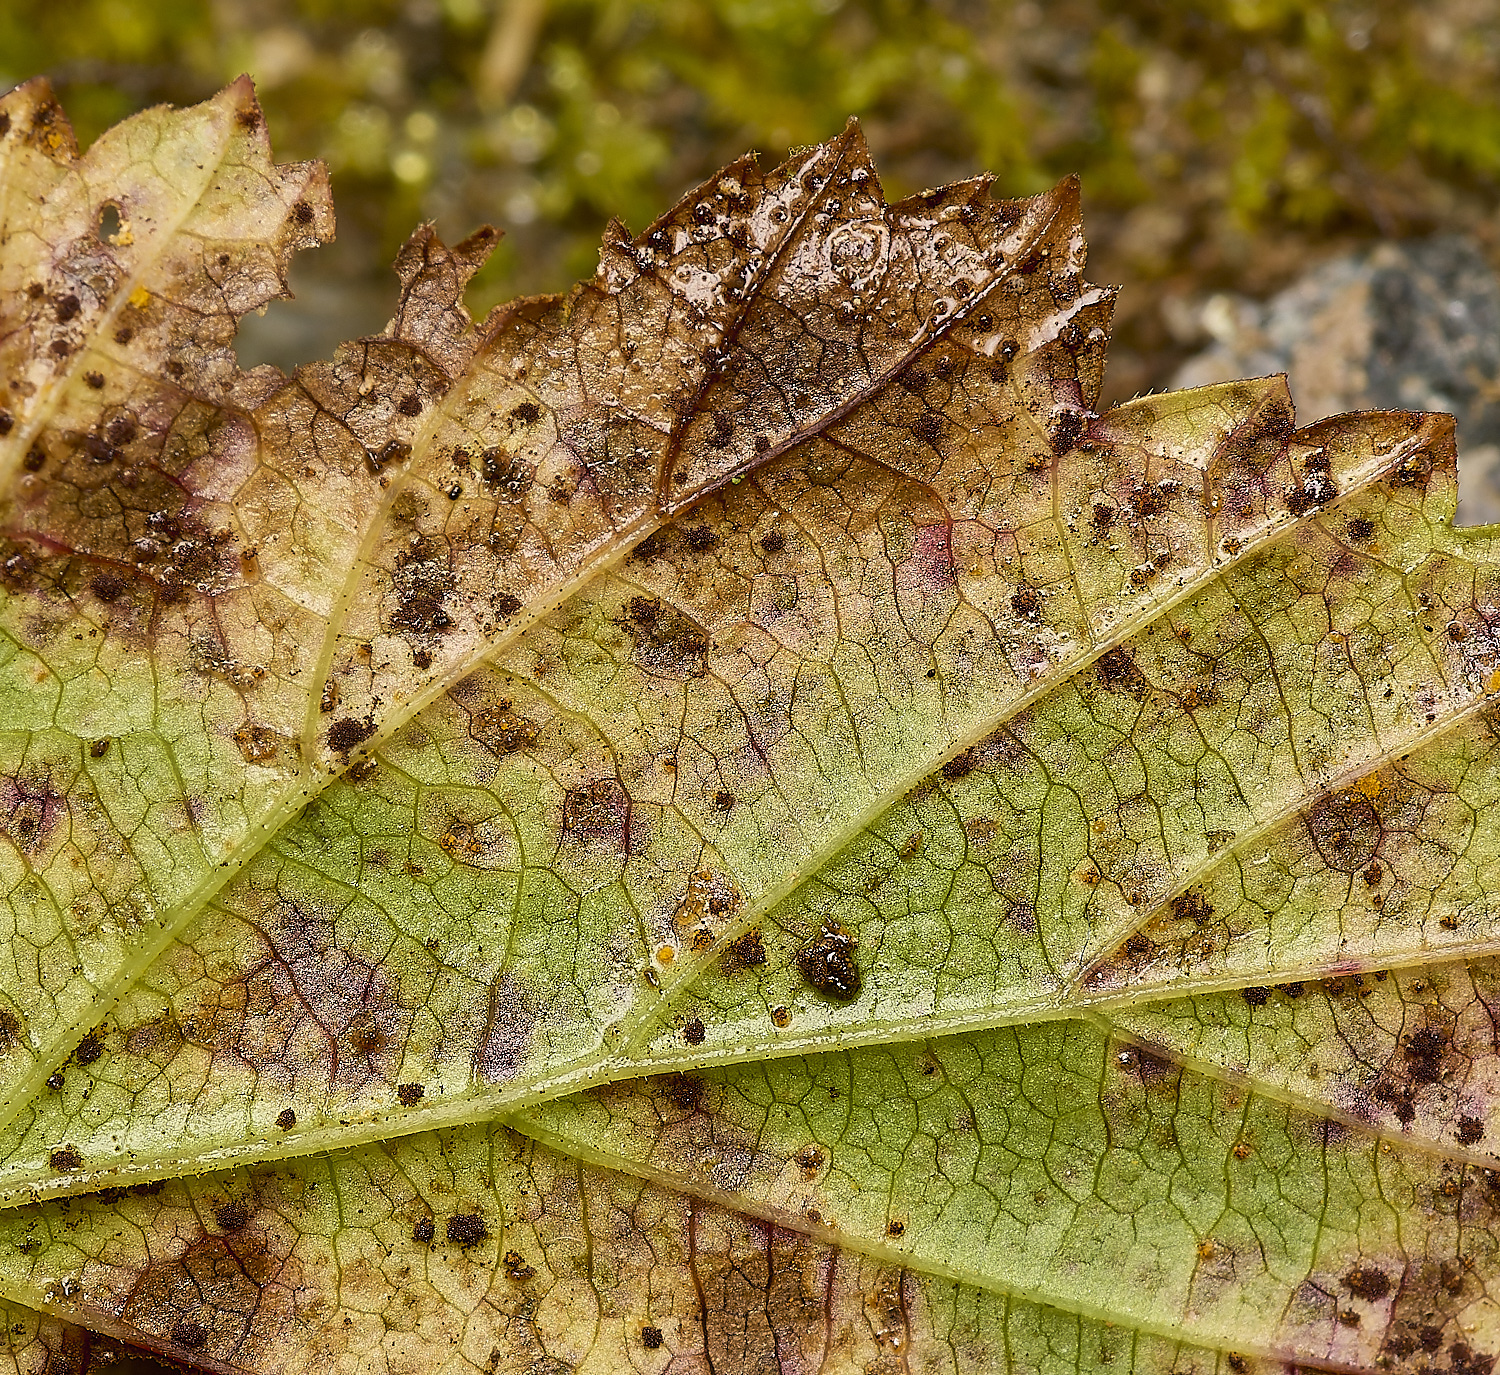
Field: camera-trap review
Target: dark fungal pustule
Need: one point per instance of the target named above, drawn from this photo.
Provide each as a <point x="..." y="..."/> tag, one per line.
<point x="467" y="1229"/>
<point x="1116" y="672"/>
<point x="232" y="1214"/>
<point x="1368" y="1283"/>
<point x="189" y="1335"/>
<point x="1026" y="603"/>
<point x="505" y="474"/>
<point x="748" y="952"/>
<point x="828" y="964"/>
<point x="346" y="735"/>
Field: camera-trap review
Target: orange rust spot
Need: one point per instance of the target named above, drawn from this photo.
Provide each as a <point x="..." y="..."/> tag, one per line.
<point x="1369" y="786"/>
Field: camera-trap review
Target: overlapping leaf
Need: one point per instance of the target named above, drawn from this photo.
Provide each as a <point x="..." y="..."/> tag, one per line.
<point x="758" y="830"/>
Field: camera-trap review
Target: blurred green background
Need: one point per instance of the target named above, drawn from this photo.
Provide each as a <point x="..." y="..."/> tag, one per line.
<point x="1222" y="143"/>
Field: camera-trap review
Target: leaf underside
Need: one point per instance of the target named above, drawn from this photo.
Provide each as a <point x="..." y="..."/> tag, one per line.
<point x="725" y="821"/>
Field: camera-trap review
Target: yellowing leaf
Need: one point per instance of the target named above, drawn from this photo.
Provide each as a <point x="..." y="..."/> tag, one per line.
<point x="726" y="820"/>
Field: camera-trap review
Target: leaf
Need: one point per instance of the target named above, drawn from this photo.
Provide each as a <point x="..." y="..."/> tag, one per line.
<point x="726" y="815"/>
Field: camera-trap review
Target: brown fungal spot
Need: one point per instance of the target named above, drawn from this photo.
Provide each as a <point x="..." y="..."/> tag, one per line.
<point x="1026" y="602"/>
<point x="507" y="603"/>
<point x="527" y="413"/>
<point x="692" y="1031"/>
<point x="345" y="735"/>
<point x="1148" y="499"/>
<point x="467" y="1229"/>
<point x="810" y="1160"/>
<point x="780" y="1017"/>
<point x="258" y="744"/>
<point x="1373" y="873"/>
<point x="1346" y="831"/>
<point x="1116" y="672"/>
<point x="506" y="474"/>
<point x="409" y="1095"/>
<point x="501" y="728"/>
<point x="960" y="766"/>
<point x="55" y="1080"/>
<point x="748" y="952"/>
<point x="598" y="810"/>
<point x="1367" y="1283"/>
<point x="65" y="1158"/>
<point x="232" y="1214"/>
<point x="365" y="1033"/>
<point x="927" y="427"/>
<point x="651" y="1338"/>
<point x="1470" y="1130"/>
<point x="699" y="538"/>
<point x="683" y="1091"/>
<point x="1192" y="906"/>
<point x="1237" y="1363"/>
<point x="773" y="542"/>
<point x="189" y="1335"/>
<point x="423" y="1230"/>
<point x="89" y="1049"/>
<point x="286" y="1119"/>
<point x="1256" y="995"/>
<point x="1413" y="470"/>
<point x="828" y="964"/>
<point x="393" y="452"/>
<point x="410" y="406"/>
<point x="895" y="1227"/>
<point x="721" y="431"/>
<point x="302" y="212"/>
<point x="1316" y="489"/>
<point x="1423" y="1053"/>
<point x="1067" y="432"/>
<point x="516" y="1268"/>
<point x="666" y="641"/>
<point x="421" y="584"/>
<point x="724" y="800"/>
